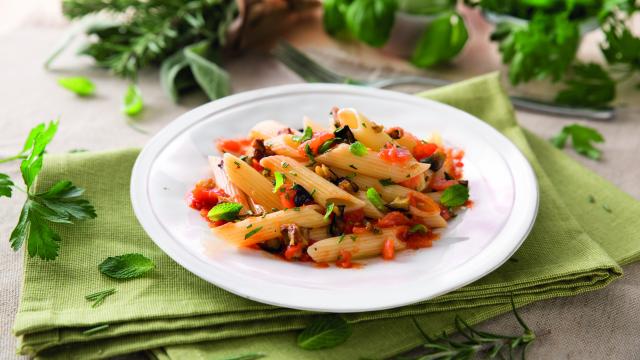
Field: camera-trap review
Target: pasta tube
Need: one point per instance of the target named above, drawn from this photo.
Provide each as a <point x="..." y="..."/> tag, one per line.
<point x="360" y="246"/>
<point x="225" y="183"/>
<point x="251" y="182"/>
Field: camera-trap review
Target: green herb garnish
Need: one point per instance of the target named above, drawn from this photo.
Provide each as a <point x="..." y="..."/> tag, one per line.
<point x="358" y="149"/>
<point x="581" y="140"/>
<point x="455" y="195"/>
<point x="386" y="182"/>
<point x="307" y="150"/>
<point x="607" y="208"/>
<point x="341" y="238"/>
<point x="126" y="266"/>
<point x="252" y="232"/>
<point x="132" y="102"/>
<point x="79" y="85"/>
<point x="225" y="211"/>
<point x="328" y="212"/>
<point x="306" y="135"/>
<point x="96" y="329"/>
<point x="279" y="181"/>
<point x="326" y="331"/>
<point x="327" y="145"/>
<point x="353" y="167"/>
<point x="442" y="40"/>
<point x="98" y="297"/>
<point x="375" y="199"/>
<point x="418" y="228"/>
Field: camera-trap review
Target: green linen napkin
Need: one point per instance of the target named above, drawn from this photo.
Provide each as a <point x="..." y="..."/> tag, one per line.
<point x="574" y="247"/>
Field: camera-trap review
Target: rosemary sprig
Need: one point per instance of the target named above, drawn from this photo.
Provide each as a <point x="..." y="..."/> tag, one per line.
<point x="98" y="297"/>
<point x="476" y="343"/>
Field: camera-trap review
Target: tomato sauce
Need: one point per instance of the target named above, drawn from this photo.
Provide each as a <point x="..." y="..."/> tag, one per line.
<point x="394" y="155"/>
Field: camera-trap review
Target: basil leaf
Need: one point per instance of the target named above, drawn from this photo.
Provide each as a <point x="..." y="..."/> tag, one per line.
<point x="326" y="331"/>
<point x="225" y="211"/>
<point x="455" y="195"/>
<point x="326" y="146"/>
<point x="213" y="80"/>
<point x="132" y="103"/>
<point x="126" y="266"/>
<point x="443" y="39"/>
<point x="370" y="21"/>
<point x="279" y="181"/>
<point x="5" y="185"/>
<point x="170" y="69"/>
<point x="79" y="85"/>
<point x="333" y="16"/>
<point x="375" y="199"/>
<point x="358" y="149"/>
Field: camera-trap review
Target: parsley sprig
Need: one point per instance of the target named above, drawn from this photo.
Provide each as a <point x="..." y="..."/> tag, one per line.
<point x="61" y="203"/>
<point x="582" y="139"/>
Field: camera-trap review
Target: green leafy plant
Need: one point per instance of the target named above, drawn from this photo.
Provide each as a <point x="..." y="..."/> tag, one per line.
<point x="582" y="139"/>
<point x="544" y="44"/>
<point x="60" y="204"/>
<point x="371" y="22"/>
<point x="126" y="266"/>
<point x="325" y="331"/>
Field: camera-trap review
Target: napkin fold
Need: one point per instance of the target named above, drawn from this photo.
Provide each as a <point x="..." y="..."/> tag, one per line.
<point x="575" y="246"/>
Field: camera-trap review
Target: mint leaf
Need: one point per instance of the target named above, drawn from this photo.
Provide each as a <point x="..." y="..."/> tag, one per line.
<point x="582" y="138"/>
<point x="306" y="135"/>
<point x="225" y="211"/>
<point x="279" y="181"/>
<point x="455" y="195"/>
<point x="442" y="40"/>
<point x="358" y="149"/>
<point x="132" y="102"/>
<point x="326" y="331"/>
<point x="590" y="85"/>
<point x="329" y="210"/>
<point x="126" y="266"/>
<point x="79" y="85"/>
<point x="371" y="21"/>
<point x="375" y="199"/>
<point x="5" y="185"/>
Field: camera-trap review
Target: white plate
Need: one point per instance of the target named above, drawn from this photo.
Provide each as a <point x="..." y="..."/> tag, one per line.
<point x="503" y="188"/>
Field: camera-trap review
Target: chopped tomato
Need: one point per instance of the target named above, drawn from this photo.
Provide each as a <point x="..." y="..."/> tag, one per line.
<point x="393" y="154"/>
<point x="234" y="146"/>
<point x="315" y="143"/>
<point x="423" y="151"/>
<point x="469" y="204"/>
<point x="413" y="182"/>
<point x="388" y="249"/>
<point x="293" y="251"/>
<point x="321" y="265"/>
<point x="287" y="196"/>
<point x="418" y="241"/>
<point x="458" y="155"/>
<point x="445" y="213"/>
<point x="344" y="261"/>
<point x="394" y="218"/>
<point x="256" y="165"/>
<point x="359" y="230"/>
<point x="351" y="219"/>
<point x="440" y="184"/>
<point x="204" y="196"/>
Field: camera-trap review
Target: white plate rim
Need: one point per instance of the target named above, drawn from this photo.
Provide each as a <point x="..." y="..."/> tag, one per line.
<point x="502" y="247"/>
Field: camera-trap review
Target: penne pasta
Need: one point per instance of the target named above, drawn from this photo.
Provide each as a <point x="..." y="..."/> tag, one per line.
<point x="284" y="145"/>
<point x="268" y="129"/>
<point x="363" y="129"/>
<point x="257" y="229"/>
<point x="360" y="246"/>
<point x="371" y="164"/>
<point x="322" y="190"/>
<point x="369" y="210"/>
<point x="225" y="183"/>
<point x="308" y="122"/>
<point x="318" y="233"/>
<point x="251" y="182"/>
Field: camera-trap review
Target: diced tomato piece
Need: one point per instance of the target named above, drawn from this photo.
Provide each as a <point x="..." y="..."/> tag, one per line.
<point x="345" y="259"/>
<point x="394" y="155"/>
<point x="423" y="151"/>
<point x="445" y="213"/>
<point x="413" y="182"/>
<point x="388" y="249"/>
<point x="234" y="146"/>
<point x="315" y="143"/>
<point x="293" y="251"/>
<point x="204" y="198"/>
<point x="351" y="219"/>
<point x="359" y="230"/>
<point x="256" y="165"/>
<point x="469" y="204"/>
<point x="394" y="218"/>
<point x="287" y="196"/>
<point x="442" y="184"/>
<point x="419" y="241"/>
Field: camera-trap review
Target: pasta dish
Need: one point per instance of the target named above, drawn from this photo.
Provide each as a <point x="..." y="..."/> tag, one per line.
<point x="332" y="194"/>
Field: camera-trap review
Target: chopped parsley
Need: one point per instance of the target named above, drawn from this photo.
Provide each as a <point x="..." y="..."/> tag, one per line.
<point x="306" y="135"/>
<point x="252" y="232"/>
<point x="386" y="182"/>
<point x="249" y="226"/>
<point x="225" y="211"/>
<point x="284" y="164"/>
<point x="237" y="164"/>
<point x="364" y="125"/>
<point x="341" y="238"/>
<point x="330" y="207"/>
<point x="358" y="149"/>
<point x="313" y="191"/>
<point x="375" y="199"/>
<point x="418" y="228"/>
<point x="297" y="208"/>
<point x="279" y="181"/>
<point x="307" y="150"/>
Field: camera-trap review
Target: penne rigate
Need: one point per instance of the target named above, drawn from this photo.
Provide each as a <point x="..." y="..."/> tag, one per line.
<point x="284" y="145"/>
<point x="359" y="246"/>
<point x="230" y="188"/>
<point x="251" y="182"/>
<point x="268" y="129"/>
<point x="371" y="164"/>
<point x="364" y="130"/>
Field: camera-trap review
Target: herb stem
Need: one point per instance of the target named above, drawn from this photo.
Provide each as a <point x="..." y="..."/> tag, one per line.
<point x="12" y="158"/>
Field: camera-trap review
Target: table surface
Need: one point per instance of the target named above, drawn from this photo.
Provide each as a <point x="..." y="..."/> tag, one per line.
<point x="597" y="325"/>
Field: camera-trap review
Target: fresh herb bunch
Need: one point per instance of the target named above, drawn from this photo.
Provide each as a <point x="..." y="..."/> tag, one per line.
<point x="183" y="37"/>
<point x="371" y="22"/>
<point x="59" y="204"/>
<point x="545" y="46"/>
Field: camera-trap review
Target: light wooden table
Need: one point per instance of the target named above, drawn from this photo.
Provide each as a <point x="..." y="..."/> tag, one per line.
<point x="598" y="325"/>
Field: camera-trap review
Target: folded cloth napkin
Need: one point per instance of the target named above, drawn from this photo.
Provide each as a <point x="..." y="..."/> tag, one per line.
<point x="574" y="247"/>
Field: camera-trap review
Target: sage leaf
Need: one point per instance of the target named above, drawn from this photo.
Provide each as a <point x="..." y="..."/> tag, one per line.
<point x="170" y="70"/>
<point x="213" y="80"/>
